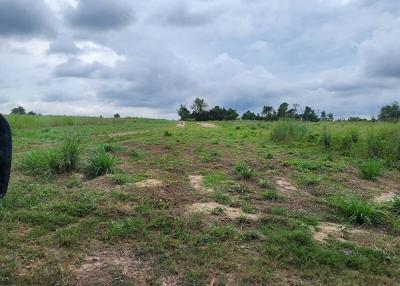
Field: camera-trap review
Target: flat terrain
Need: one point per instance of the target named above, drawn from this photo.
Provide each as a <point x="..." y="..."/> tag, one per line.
<point x="222" y="203"/>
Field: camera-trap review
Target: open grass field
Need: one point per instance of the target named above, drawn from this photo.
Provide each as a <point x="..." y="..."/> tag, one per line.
<point x="153" y="202"/>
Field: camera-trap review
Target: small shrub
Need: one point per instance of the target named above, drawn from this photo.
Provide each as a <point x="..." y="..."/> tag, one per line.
<point x="218" y="211"/>
<point x="309" y="180"/>
<point x="358" y="210"/>
<point x="326" y="139"/>
<point x="120" y="179"/>
<point x="265" y="183"/>
<point x="243" y="171"/>
<point x="109" y="148"/>
<point x="239" y="189"/>
<point x="371" y="170"/>
<point x="375" y="145"/>
<point x="100" y="163"/>
<point x="70" y="153"/>
<point x="271" y="195"/>
<point x="167" y="133"/>
<point x="42" y="163"/>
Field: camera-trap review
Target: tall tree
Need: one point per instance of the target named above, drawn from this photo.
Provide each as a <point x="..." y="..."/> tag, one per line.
<point x="309" y="114"/>
<point x="283" y="110"/>
<point x="183" y="112"/>
<point x="18" y="110"/>
<point x="199" y="108"/>
<point x="269" y="112"/>
<point x="390" y="112"/>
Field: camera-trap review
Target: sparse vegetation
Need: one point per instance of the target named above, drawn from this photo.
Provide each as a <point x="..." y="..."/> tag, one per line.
<point x="272" y="209"/>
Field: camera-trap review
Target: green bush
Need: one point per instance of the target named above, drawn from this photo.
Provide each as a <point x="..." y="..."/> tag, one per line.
<point x="370" y="170"/>
<point x="288" y="130"/>
<point x="70" y="153"/>
<point x="271" y="195"/>
<point x="358" y="210"/>
<point x="326" y="139"/>
<point x="100" y="163"/>
<point x="42" y="163"/>
<point x="53" y="161"/>
<point x="243" y="171"/>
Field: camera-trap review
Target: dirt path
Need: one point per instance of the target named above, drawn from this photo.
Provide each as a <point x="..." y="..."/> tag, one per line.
<point x="207" y="125"/>
<point x="150" y="183"/>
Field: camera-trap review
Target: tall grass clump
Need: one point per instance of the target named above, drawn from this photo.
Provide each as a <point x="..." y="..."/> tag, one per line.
<point x="358" y="210"/>
<point x="53" y="161"/>
<point x="370" y="170"/>
<point x="326" y="139"/>
<point x="42" y="163"/>
<point x="394" y="206"/>
<point x="70" y="153"/>
<point x="288" y="130"/>
<point x="244" y="171"/>
<point x="100" y="163"/>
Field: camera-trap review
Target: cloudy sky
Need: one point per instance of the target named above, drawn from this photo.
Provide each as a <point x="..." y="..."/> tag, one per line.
<point x="144" y="58"/>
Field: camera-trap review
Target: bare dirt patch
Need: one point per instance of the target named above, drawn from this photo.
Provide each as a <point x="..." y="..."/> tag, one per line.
<point x="150" y="183"/>
<point x="103" y="183"/>
<point x="181" y="124"/>
<point x="336" y="231"/>
<point x="197" y="183"/>
<point x="284" y="185"/>
<point x="208" y="208"/>
<point x="207" y="125"/>
<point x="106" y="267"/>
<point x="384" y="197"/>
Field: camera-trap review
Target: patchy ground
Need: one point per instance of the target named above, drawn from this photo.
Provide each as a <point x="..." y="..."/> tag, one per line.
<point x="177" y="210"/>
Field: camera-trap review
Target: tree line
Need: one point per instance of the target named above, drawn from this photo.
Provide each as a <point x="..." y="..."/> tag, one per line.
<point x="200" y="112"/>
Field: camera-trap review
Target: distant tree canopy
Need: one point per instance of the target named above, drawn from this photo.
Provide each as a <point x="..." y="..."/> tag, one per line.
<point x="390" y="112"/>
<point x="19" y="110"/>
<point x="200" y="112"/>
<point x="116" y="115"/>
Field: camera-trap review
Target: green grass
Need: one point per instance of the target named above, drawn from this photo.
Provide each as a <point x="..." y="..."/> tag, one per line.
<point x="359" y="211"/>
<point x="244" y="171"/>
<point x="55" y="217"/>
<point x="99" y="163"/>
<point x="371" y="170"/>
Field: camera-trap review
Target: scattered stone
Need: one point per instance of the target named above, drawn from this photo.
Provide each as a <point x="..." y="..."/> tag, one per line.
<point x="208" y="208"/>
<point x="150" y="183"/>
<point x="197" y="183"/>
<point x="385" y="197"/>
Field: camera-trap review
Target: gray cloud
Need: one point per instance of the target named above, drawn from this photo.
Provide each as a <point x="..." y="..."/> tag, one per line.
<point x="18" y="18"/>
<point x="341" y="56"/>
<point x="77" y="68"/>
<point x="63" y="45"/>
<point x="179" y="14"/>
<point x="100" y="14"/>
